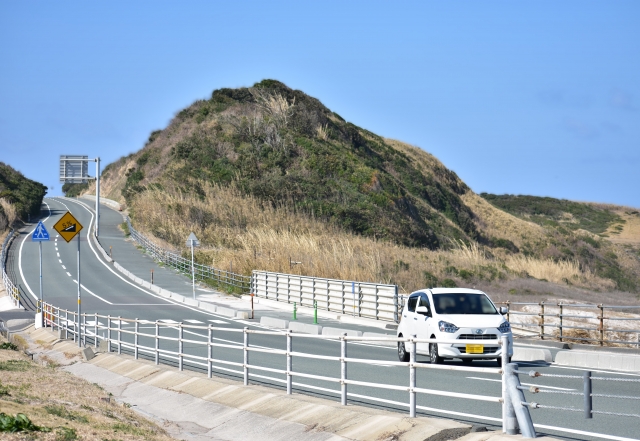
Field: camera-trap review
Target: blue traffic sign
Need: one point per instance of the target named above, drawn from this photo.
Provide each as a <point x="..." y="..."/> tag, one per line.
<point x="40" y="234"/>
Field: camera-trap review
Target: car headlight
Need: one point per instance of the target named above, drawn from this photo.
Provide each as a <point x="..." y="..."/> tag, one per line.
<point x="447" y="327"/>
<point x="504" y="327"/>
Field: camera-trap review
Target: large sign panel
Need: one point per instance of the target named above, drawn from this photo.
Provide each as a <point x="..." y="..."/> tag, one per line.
<point x="74" y="169"/>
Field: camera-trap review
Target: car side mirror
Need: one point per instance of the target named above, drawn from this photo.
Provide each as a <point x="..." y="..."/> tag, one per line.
<point x="504" y="310"/>
<point x="423" y="310"/>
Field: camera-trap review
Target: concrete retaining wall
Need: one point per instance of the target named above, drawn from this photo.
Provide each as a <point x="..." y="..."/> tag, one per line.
<point x="305" y="328"/>
<point x="599" y="360"/>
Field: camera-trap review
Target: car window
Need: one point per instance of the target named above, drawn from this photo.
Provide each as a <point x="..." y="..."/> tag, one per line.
<point x="411" y="305"/>
<point x="424" y="301"/>
<point x="463" y="303"/>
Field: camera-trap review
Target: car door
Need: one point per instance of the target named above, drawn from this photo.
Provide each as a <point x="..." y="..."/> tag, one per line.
<point x="409" y="315"/>
<point x="423" y="323"/>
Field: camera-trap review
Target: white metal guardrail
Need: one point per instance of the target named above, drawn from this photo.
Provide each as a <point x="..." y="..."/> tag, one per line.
<point x="178" y="344"/>
<point x="361" y="299"/>
<point x="9" y="286"/>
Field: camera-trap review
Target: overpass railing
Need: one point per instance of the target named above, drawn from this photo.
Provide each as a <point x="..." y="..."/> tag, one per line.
<point x="9" y="286"/>
<point x="217" y="277"/>
<point x="582" y="323"/>
<point x="360" y="299"/>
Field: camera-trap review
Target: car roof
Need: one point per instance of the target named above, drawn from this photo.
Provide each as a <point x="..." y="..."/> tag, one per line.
<point x="450" y="291"/>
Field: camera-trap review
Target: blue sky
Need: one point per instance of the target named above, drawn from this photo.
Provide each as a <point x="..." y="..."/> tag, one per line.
<point x="536" y="97"/>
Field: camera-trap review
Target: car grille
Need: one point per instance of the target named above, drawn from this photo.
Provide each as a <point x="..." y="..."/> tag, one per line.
<point x="477" y="337"/>
<point x="485" y="350"/>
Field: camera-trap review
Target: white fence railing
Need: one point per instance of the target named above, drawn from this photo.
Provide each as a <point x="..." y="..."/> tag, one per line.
<point x="360" y="299"/>
<point x="9" y="286"/>
<point x="200" y="346"/>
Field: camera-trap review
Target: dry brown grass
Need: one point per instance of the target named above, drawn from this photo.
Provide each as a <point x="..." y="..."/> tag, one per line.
<point x="60" y="401"/>
<point x="244" y="233"/>
<point x="10" y="214"/>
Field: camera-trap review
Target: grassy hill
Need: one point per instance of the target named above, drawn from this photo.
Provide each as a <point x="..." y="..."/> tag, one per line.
<point x="267" y="175"/>
<point x="19" y="196"/>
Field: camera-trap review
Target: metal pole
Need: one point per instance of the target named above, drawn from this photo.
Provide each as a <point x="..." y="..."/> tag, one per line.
<point x="180" y="347"/>
<point x="505" y="361"/>
<point x="41" y="297"/>
<point x="353" y="294"/>
<point x="588" y="399"/>
<point x="109" y="333"/>
<point x="209" y="354"/>
<point x="601" y="324"/>
<point x="289" y="363"/>
<point x="95" y="331"/>
<point x="561" y="315"/>
<point x="97" y="196"/>
<point x="135" y="341"/>
<point x="157" y="343"/>
<point x="246" y="356"/>
<point x="412" y="377"/>
<point x="193" y="272"/>
<point x="79" y="339"/>
<point x="119" y="335"/>
<point x="343" y="369"/>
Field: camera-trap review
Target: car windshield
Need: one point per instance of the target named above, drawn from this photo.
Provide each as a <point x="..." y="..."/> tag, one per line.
<point x="463" y="303"/>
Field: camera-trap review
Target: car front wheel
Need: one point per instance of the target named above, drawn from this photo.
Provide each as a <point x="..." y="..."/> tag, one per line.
<point x="403" y="355"/>
<point x="433" y="354"/>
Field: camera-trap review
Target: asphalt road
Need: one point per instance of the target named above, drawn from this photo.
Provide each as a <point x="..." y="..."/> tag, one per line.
<point x="108" y="293"/>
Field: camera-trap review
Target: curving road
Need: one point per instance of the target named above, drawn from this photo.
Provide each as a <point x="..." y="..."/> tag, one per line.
<point x="107" y="292"/>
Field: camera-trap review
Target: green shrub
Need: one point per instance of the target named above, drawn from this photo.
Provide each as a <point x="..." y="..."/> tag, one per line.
<point x="430" y="280"/>
<point x="449" y="283"/>
<point x="18" y="423"/>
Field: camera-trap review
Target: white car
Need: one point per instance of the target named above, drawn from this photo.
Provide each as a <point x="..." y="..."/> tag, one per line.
<point x="454" y="314"/>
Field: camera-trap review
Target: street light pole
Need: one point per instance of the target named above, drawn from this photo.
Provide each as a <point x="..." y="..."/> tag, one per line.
<point x="97" y="232"/>
<point x="193" y="272"/>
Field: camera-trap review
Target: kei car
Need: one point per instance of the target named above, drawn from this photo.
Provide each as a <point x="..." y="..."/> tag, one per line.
<point x="454" y="314"/>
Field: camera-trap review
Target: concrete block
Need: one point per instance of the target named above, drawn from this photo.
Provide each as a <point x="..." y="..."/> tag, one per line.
<point x="305" y="328"/>
<point x="62" y="334"/>
<point x="191" y="302"/>
<point x="103" y="346"/>
<point x="164" y="293"/>
<point x="208" y="307"/>
<point x="146" y="285"/>
<point x="382" y="343"/>
<point x="155" y="289"/>
<point x="138" y="280"/>
<point x="532" y="354"/>
<point x="244" y="315"/>
<point x="38" y="320"/>
<point x="227" y="312"/>
<point x="274" y="322"/>
<point x="604" y="361"/>
<point x="87" y="354"/>
<point x="338" y="332"/>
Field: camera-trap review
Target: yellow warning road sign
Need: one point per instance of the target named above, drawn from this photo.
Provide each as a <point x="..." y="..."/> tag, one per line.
<point x="68" y="226"/>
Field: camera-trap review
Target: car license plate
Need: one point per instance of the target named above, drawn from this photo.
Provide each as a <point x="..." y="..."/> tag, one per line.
<point x="475" y="349"/>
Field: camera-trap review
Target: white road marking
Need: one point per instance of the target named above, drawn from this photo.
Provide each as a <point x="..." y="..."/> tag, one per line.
<point x="194" y="321"/>
<point x="524" y="384"/>
<point x="60" y="260"/>
<point x="221" y="322"/>
<point x="64" y="268"/>
<point x="94" y="323"/>
<point x="168" y="321"/>
<point x="58" y="254"/>
<point x="68" y="274"/>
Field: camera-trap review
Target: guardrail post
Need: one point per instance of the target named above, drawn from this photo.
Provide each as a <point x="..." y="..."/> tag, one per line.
<point x="518" y="415"/>
<point x="343" y="369"/>
<point x="119" y="335"/>
<point x="328" y="294"/>
<point x="505" y="355"/>
<point x="245" y="350"/>
<point x="601" y="324"/>
<point x="108" y="333"/>
<point x="376" y="312"/>
<point x="75" y="326"/>
<point x="396" y="313"/>
<point x="180" y="346"/>
<point x="83" y="335"/>
<point x="560" y="305"/>
<point x="541" y="320"/>
<point x="135" y="339"/>
<point x="157" y="343"/>
<point x="588" y="399"/>
<point x="343" y="297"/>
<point x="289" y="362"/>
<point x="412" y="377"/>
<point x="95" y="330"/>
<point x="209" y="352"/>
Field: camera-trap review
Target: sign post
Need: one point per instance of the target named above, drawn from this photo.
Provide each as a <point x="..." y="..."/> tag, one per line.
<point x="40" y="234"/>
<point x="68" y="227"/>
<point x="193" y="241"/>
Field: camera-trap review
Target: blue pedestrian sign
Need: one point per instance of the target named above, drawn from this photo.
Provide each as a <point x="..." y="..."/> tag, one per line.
<point x="40" y="234"/>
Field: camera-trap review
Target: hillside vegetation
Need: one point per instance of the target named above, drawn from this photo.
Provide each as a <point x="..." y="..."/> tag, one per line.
<point x="267" y="175"/>
<point x="19" y="196"/>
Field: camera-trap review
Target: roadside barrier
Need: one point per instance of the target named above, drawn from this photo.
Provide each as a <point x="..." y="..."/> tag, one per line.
<point x="587" y="394"/>
<point x="165" y="342"/>
<point x="222" y="278"/>
<point x="578" y="322"/>
<point x="360" y="299"/>
<point x="11" y="289"/>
